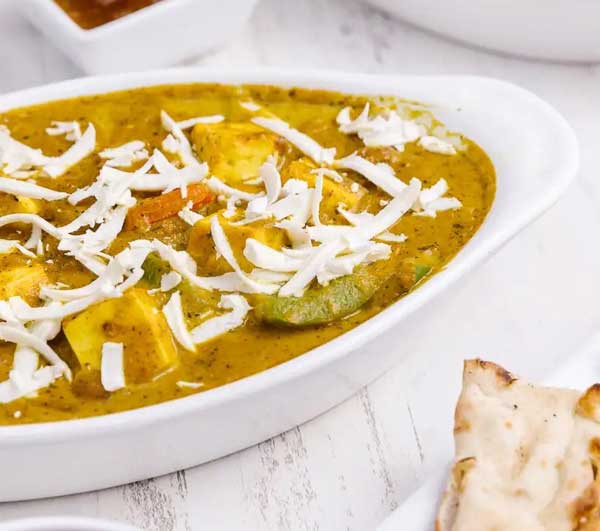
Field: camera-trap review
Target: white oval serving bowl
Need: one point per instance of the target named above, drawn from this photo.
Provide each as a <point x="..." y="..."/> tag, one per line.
<point x="65" y="523"/>
<point x="556" y="30"/>
<point x="536" y="156"/>
<point x="156" y="36"/>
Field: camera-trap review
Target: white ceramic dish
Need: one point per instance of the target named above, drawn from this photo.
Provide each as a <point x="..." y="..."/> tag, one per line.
<point x="558" y="30"/>
<point x="536" y="156"/>
<point x="156" y="36"/>
<point x="419" y="511"/>
<point x="65" y="523"/>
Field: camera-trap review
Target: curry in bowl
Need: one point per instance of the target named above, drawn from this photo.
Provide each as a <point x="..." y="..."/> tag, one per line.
<point x="90" y="14"/>
<point x="162" y="241"/>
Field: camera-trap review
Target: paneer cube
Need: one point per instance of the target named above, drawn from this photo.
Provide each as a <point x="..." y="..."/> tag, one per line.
<point x="10" y="204"/>
<point x="23" y="281"/>
<point x="202" y="248"/>
<point x="233" y="151"/>
<point x="133" y="320"/>
<point x="27" y="205"/>
<point x="334" y="193"/>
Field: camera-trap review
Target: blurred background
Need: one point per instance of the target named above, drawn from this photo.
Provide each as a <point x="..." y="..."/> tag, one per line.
<point x="351" y="467"/>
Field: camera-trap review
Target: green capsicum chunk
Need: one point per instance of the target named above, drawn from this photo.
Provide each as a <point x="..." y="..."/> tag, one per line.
<point x="154" y="268"/>
<point x="322" y="304"/>
<point x="420" y="271"/>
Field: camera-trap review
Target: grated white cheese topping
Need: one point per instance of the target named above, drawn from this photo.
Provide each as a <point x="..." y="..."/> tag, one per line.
<point x="16" y="157"/>
<point x="84" y="146"/>
<point x="249" y="106"/>
<point x="40" y="378"/>
<point x="188" y="215"/>
<point x="112" y="371"/>
<point x="125" y="155"/>
<point x="316" y="199"/>
<point x="173" y="312"/>
<point x="440" y="205"/>
<point x="335" y="239"/>
<point x="179" y="144"/>
<point x="184" y="264"/>
<point x="14" y="333"/>
<point x="175" y="177"/>
<point x="25" y="378"/>
<point x="119" y="274"/>
<point x="302" y="278"/>
<point x="265" y="275"/>
<point x="32" y="219"/>
<point x="352" y="240"/>
<point x="432" y="200"/>
<point x="436" y="145"/>
<point x="26" y="360"/>
<point x="387" y="217"/>
<point x="327" y="233"/>
<point x="112" y="191"/>
<point x="8" y="246"/>
<point x="269" y="174"/>
<point x="35" y="241"/>
<point x="356" y="218"/>
<point x="391" y="237"/>
<point x="346" y="263"/>
<point x="224" y="249"/>
<point x="328" y="172"/>
<point x="434" y="192"/>
<point x="169" y="281"/>
<point x="381" y="175"/>
<point x="191" y="122"/>
<point x="228" y="282"/>
<point x="88" y="247"/>
<point x="267" y="258"/>
<point x="180" y="261"/>
<point x="295" y="207"/>
<point x="298" y="235"/>
<point x="388" y="129"/>
<point x="71" y="130"/>
<point x="167" y="177"/>
<point x="303" y="142"/>
<point x="217" y="186"/>
<point x="216" y="326"/>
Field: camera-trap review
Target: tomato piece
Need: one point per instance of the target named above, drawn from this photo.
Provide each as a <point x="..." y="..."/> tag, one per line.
<point x="155" y="209"/>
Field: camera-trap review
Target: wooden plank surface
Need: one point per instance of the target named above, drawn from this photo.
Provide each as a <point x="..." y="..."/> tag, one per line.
<point x="530" y="306"/>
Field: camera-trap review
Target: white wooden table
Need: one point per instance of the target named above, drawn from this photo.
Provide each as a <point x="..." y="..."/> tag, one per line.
<point x="531" y="305"/>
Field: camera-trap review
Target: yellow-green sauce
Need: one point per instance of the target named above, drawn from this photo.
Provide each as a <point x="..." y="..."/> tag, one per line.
<point x="135" y="115"/>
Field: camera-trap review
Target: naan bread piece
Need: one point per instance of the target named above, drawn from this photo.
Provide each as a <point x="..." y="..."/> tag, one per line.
<point x="526" y="457"/>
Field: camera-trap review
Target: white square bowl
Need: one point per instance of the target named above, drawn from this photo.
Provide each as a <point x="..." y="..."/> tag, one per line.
<point x="159" y="35"/>
<point x="536" y="156"/>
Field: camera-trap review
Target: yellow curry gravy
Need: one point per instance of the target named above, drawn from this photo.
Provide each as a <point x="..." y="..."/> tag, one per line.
<point x="121" y="117"/>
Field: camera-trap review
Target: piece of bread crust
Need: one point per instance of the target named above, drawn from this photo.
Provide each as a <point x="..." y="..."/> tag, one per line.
<point x="526" y="456"/>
